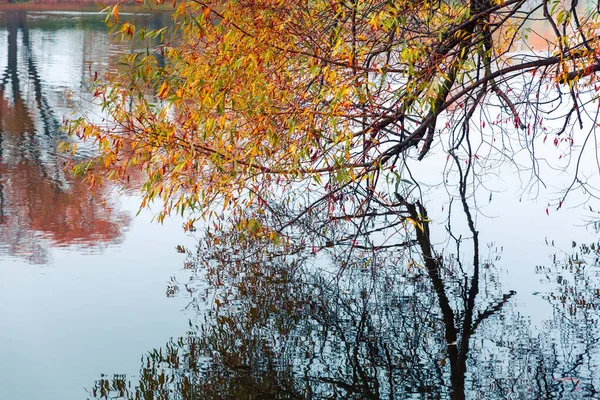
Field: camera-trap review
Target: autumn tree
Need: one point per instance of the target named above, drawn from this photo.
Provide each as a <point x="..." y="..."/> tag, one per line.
<point x="310" y="125"/>
<point x="245" y="100"/>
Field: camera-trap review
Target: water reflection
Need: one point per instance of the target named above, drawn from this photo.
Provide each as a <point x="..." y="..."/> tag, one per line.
<point x="279" y="322"/>
<point x="420" y="323"/>
<point x="95" y="308"/>
<point x="41" y="205"/>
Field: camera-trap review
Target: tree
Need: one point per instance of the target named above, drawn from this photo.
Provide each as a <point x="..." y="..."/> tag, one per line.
<point x="261" y="96"/>
<point x="305" y="126"/>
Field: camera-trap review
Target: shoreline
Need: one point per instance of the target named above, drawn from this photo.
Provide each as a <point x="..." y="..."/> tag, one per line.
<point x="85" y="6"/>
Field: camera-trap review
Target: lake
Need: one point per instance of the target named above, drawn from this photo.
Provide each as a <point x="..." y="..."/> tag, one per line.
<point x="83" y="281"/>
<point x="88" y="289"/>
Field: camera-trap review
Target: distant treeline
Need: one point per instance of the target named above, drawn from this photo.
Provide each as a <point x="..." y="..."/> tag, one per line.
<point x="67" y="5"/>
<point x="59" y="2"/>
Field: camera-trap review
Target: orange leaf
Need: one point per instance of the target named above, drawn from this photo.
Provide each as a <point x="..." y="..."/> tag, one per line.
<point x="163" y="91"/>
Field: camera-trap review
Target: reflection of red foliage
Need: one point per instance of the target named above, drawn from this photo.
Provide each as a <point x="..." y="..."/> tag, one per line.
<point x="41" y="205"/>
<point x="14" y="117"/>
<point x="64" y="212"/>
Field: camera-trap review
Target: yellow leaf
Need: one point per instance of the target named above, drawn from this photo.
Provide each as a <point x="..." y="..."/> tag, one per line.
<point x="163" y="91"/>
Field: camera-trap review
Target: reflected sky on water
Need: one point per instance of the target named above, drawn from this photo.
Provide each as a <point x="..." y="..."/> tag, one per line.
<point x="277" y="323"/>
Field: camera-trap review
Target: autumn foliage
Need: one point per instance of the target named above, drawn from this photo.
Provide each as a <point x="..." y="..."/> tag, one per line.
<point x="244" y="100"/>
<point x="300" y="128"/>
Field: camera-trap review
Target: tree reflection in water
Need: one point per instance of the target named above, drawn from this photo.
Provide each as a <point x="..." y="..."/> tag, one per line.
<point x="38" y="199"/>
<point x="417" y="323"/>
<point x="327" y="314"/>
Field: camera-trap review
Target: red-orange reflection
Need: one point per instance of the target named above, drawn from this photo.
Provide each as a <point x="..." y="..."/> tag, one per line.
<point x="41" y="205"/>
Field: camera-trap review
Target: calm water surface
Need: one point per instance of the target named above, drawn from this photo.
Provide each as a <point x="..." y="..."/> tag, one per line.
<point x="83" y="282"/>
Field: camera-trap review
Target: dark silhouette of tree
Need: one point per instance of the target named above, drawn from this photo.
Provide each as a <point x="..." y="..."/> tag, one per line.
<point x="280" y="322"/>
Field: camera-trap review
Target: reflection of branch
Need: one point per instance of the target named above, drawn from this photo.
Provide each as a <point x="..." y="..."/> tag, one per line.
<point x="491" y="310"/>
<point x="433" y="269"/>
<point x="348" y="388"/>
<point x="577" y="382"/>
